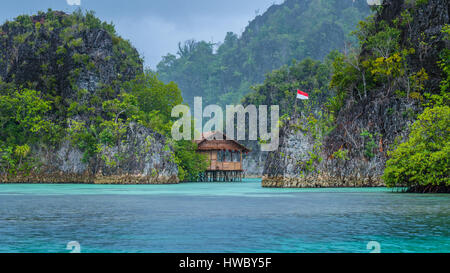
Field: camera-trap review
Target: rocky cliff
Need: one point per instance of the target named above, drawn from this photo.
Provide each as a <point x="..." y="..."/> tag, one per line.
<point x="148" y="160"/>
<point x="366" y="127"/>
<point x="78" y="62"/>
<point x="255" y="160"/>
<point x="298" y="164"/>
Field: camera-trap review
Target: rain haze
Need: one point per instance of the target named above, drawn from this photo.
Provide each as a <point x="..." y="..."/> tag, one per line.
<point x="155" y="27"/>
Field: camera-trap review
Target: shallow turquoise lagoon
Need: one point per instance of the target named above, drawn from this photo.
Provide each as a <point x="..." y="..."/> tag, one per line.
<point x="219" y="217"/>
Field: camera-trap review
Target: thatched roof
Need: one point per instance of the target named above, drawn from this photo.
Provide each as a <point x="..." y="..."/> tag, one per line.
<point x="219" y="141"/>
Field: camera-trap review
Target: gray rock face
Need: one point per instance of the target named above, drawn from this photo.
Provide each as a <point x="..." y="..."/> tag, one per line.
<point x="293" y="165"/>
<point x="70" y="159"/>
<point x="424" y="33"/>
<point x="146" y="155"/>
<point x="293" y="149"/>
<point x="254" y="161"/>
<point x="143" y="158"/>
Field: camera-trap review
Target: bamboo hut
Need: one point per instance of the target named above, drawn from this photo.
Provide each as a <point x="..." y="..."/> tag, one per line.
<point x="224" y="157"/>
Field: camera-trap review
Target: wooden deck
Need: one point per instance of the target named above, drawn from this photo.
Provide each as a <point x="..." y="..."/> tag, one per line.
<point x="225" y="166"/>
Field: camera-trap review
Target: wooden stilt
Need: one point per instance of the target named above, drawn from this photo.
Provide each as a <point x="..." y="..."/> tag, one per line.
<point x="221" y="176"/>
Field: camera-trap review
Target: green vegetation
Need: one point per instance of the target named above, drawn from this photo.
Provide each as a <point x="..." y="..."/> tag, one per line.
<point x="279" y="88"/>
<point x="22" y="124"/>
<point x="48" y="106"/>
<point x="384" y="66"/>
<point x="424" y="159"/>
<point x="190" y="164"/>
<point x="296" y="29"/>
<point x="155" y="99"/>
<point x="369" y="144"/>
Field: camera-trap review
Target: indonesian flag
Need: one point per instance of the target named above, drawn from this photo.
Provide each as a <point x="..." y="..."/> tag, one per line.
<point x="302" y="95"/>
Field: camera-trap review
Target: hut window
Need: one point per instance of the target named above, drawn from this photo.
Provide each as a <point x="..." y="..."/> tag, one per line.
<point x="220" y="156"/>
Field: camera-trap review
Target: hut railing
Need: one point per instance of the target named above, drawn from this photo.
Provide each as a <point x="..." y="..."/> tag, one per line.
<point x="225" y="166"/>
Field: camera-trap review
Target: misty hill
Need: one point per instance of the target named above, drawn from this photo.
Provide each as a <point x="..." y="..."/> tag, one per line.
<point x="295" y="29"/>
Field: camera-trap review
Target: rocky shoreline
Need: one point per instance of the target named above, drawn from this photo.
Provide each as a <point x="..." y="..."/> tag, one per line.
<point x="66" y="178"/>
<point x="320" y="181"/>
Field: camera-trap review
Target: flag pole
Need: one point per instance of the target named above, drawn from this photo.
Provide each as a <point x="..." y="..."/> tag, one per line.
<point x="295" y="106"/>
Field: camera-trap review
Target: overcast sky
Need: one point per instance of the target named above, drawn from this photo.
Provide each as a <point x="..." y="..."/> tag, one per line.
<point x="156" y="26"/>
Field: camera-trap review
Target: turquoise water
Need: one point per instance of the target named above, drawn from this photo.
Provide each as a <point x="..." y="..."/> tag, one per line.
<point x="219" y="217"/>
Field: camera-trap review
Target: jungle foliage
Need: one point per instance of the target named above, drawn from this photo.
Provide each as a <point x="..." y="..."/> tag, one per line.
<point x="42" y="103"/>
<point x="379" y="68"/>
<point x="280" y="86"/>
<point x="297" y="29"/>
<point x="423" y="160"/>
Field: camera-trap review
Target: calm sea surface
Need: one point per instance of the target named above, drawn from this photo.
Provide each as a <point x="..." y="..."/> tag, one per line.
<point x="219" y="217"/>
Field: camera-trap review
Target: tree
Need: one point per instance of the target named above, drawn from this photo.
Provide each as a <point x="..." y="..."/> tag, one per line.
<point x="190" y="163"/>
<point x="22" y="123"/>
<point x="424" y="159"/>
<point x="155" y="100"/>
<point x="22" y="116"/>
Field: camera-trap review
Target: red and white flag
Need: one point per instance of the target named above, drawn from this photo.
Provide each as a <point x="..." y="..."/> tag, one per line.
<point x="302" y="95"/>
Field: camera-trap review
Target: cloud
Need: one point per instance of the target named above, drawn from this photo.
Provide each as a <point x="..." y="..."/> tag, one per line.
<point x="73" y="2"/>
<point x="155" y="36"/>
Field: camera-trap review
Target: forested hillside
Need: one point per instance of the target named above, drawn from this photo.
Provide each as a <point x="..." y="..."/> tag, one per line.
<point x="296" y="29"/>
